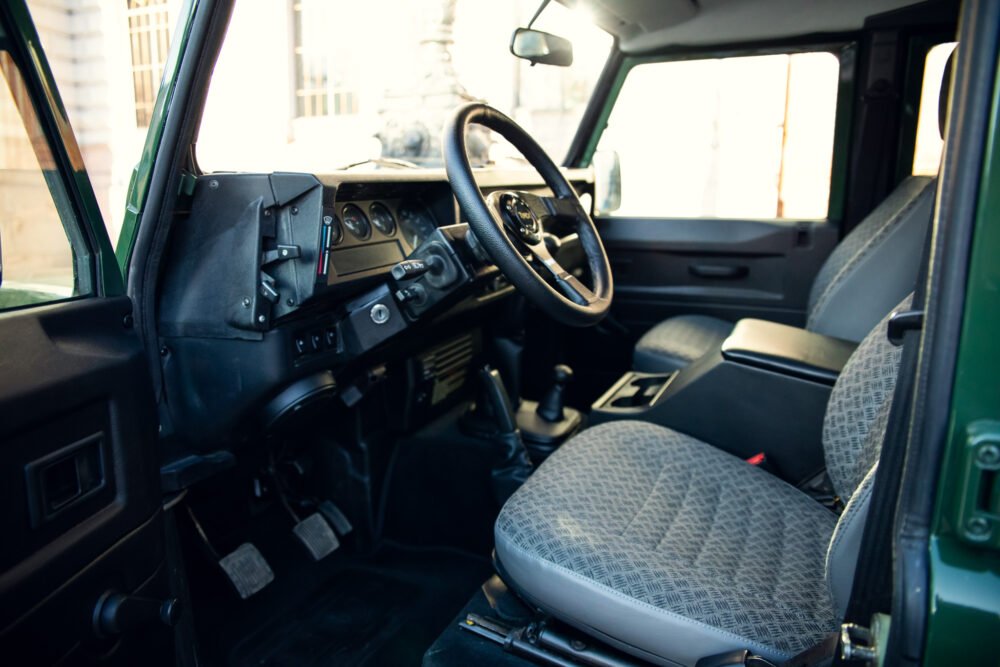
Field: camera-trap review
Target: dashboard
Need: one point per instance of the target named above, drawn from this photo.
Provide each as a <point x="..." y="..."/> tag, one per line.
<point x="272" y="279"/>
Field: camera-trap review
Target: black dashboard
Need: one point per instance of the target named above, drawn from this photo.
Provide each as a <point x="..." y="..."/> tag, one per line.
<point x="275" y="280"/>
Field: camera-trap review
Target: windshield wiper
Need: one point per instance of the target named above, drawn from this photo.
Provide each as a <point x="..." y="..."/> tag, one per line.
<point x="391" y="163"/>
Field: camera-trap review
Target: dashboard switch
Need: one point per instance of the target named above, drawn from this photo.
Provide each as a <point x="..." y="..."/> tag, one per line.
<point x="417" y="294"/>
<point x="410" y="268"/>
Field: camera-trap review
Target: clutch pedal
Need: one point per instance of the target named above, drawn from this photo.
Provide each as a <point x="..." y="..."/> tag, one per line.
<point x="247" y="570"/>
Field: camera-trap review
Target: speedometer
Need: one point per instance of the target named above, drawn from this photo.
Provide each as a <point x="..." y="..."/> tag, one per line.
<point x="415" y="222"/>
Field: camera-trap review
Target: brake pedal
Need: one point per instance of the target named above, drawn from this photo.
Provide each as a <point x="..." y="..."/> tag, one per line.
<point x="317" y="536"/>
<point x="335" y="517"/>
<point x="247" y="570"/>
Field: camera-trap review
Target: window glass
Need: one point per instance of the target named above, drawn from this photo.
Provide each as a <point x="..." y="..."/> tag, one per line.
<point x="746" y="137"/>
<point x="317" y="85"/>
<point x="927" y="152"/>
<point x="107" y="59"/>
<point x="37" y="255"/>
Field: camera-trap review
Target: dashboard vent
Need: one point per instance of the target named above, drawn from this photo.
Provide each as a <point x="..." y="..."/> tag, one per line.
<point x="447" y="365"/>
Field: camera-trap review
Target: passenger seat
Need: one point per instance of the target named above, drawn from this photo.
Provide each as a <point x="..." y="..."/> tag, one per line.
<point x="871" y="269"/>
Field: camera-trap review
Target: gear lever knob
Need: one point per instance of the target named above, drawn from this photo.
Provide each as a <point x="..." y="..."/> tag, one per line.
<point x="550" y="408"/>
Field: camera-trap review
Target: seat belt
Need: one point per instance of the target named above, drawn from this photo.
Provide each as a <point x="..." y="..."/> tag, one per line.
<point x="871" y="179"/>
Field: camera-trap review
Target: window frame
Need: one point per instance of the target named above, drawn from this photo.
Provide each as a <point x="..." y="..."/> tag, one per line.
<point x="844" y="48"/>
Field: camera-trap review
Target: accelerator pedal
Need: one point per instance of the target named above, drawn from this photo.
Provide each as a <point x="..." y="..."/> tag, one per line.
<point x="335" y="517"/>
<point x="247" y="570"/>
<point x="317" y="536"/>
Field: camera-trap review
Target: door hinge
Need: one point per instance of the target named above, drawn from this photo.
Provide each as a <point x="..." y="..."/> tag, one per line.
<point x="979" y="507"/>
<point x="865" y="645"/>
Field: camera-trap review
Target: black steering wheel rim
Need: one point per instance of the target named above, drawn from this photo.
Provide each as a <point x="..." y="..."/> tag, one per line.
<point x="573" y="303"/>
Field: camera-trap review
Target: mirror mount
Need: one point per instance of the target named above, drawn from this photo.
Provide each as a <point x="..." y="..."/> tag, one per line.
<point x="538" y="12"/>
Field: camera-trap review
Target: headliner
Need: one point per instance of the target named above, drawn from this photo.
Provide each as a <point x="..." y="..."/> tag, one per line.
<point x="645" y="25"/>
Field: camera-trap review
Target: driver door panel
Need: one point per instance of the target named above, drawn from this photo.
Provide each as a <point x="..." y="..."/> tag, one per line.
<point x="79" y="481"/>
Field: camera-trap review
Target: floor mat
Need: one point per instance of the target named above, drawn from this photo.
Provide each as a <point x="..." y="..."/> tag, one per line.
<point x="387" y="611"/>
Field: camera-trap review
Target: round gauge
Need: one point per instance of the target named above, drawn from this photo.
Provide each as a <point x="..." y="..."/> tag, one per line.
<point x="356" y="222"/>
<point x="416" y="223"/>
<point x="332" y="232"/>
<point x="382" y="218"/>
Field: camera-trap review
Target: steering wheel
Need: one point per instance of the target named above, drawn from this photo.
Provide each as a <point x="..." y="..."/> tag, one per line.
<point x="508" y="224"/>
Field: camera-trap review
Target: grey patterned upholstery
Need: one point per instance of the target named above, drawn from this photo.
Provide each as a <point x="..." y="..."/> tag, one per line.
<point x="674" y="550"/>
<point x="875" y="266"/>
<point x="866" y="274"/>
<point x="676" y="342"/>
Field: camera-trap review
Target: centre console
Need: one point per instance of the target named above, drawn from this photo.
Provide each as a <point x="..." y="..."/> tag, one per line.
<point x="764" y="390"/>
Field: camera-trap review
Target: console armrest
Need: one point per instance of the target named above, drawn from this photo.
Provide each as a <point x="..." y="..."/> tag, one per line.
<point x="787" y="350"/>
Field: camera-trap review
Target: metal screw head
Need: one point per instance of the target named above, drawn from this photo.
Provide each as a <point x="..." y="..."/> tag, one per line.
<point x="246" y="302"/>
<point x="290" y="301"/>
<point x="261" y="319"/>
<point x="213" y="184"/>
<point x="379" y="313"/>
<point x="164" y="351"/>
<point x="978" y="528"/>
<point x="988" y="455"/>
<point x="295" y="210"/>
<point x="284" y="252"/>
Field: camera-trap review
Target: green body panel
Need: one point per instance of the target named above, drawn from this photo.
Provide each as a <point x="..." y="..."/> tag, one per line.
<point x="53" y="117"/>
<point x="964" y="618"/>
<point x="138" y="187"/>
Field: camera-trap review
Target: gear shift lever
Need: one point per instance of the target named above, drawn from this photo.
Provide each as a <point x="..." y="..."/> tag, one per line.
<point x="511" y="465"/>
<point x="547" y="424"/>
<point x="550" y="408"/>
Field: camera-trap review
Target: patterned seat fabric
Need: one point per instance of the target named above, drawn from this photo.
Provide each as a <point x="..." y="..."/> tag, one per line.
<point x="871" y="269"/>
<point x="674" y="550"/>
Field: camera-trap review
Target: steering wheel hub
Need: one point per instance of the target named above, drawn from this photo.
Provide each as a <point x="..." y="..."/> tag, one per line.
<point x="520" y="218"/>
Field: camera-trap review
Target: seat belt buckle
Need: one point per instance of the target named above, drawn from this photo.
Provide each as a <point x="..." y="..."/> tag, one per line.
<point x="902" y="321"/>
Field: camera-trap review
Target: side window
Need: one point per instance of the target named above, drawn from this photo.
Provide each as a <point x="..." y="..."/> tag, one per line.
<point x="742" y="137"/>
<point x="927" y="151"/>
<point x="40" y="262"/>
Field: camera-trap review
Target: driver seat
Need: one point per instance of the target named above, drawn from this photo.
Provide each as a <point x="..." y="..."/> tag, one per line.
<point x="673" y="550"/>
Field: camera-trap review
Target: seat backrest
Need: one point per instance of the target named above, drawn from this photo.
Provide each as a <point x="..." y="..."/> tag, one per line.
<point x="875" y="265"/>
<point x="853" y="430"/>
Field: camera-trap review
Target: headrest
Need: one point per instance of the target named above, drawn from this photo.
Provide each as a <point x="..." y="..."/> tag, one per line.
<point x="943" y="95"/>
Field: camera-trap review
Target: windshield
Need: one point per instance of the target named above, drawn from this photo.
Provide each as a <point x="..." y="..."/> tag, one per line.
<point x="321" y="85"/>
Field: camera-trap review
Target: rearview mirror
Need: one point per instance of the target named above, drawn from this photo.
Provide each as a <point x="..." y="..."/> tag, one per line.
<point x="541" y="47"/>
<point x="607" y="182"/>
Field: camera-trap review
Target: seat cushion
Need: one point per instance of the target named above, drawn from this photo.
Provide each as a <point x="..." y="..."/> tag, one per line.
<point x="669" y="548"/>
<point x="676" y="342"/>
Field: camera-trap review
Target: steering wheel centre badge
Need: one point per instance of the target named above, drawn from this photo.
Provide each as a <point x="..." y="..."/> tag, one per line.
<point x="521" y="218"/>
